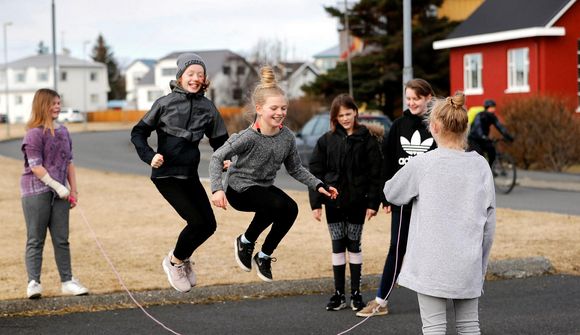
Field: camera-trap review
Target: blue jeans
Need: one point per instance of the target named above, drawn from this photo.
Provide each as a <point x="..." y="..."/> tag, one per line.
<point x="44" y="212"/>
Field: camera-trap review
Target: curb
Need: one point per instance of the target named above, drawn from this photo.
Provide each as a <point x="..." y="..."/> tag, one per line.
<point x="504" y="269"/>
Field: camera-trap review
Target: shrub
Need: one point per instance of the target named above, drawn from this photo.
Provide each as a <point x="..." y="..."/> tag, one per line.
<point x="546" y="132"/>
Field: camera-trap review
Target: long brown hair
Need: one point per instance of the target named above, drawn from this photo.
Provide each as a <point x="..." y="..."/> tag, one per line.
<point x="346" y="101"/>
<point x="40" y="115"/>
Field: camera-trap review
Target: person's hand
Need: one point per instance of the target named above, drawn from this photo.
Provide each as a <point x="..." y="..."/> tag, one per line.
<point x="387" y="209"/>
<point x="370" y="214"/>
<point x="73" y="200"/>
<point x="219" y="199"/>
<point x="157" y="161"/>
<point x="332" y="192"/>
<point x="317" y="213"/>
<point x="227" y="164"/>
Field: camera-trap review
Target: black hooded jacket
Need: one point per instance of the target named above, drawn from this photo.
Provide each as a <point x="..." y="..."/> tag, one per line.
<point x="181" y="119"/>
<point x="352" y="164"/>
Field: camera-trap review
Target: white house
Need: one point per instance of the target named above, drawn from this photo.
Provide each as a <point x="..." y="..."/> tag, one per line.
<point x="305" y="74"/>
<point x="230" y="75"/>
<point x="134" y="73"/>
<point x="327" y="59"/>
<point x="82" y="84"/>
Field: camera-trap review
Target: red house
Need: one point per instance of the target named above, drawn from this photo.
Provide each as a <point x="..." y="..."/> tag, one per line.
<point x="513" y="48"/>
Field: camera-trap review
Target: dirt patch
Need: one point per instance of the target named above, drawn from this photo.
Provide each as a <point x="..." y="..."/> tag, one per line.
<point x="137" y="228"/>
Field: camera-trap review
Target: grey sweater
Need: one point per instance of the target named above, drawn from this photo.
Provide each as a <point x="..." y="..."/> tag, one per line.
<point x="452" y="223"/>
<point x="255" y="160"/>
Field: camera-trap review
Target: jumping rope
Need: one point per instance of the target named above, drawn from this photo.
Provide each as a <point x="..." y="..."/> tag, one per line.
<point x="392" y="283"/>
<point x="104" y="253"/>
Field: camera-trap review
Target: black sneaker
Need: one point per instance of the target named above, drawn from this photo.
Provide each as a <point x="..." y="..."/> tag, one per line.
<point x="337" y="302"/>
<point x="243" y="252"/>
<point x="356" y="301"/>
<point x="264" y="267"/>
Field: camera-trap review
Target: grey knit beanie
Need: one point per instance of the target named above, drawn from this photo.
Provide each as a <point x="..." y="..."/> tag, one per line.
<point x="185" y="60"/>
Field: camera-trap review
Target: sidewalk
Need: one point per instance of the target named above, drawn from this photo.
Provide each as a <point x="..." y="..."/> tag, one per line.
<point x="549" y="180"/>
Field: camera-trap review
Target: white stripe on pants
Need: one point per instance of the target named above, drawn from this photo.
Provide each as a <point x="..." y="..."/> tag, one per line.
<point x="434" y="315"/>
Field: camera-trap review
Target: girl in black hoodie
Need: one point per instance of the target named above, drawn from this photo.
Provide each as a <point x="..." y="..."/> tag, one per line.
<point x="181" y="119"/>
<point x="349" y="158"/>
<point x="408" y="137"/>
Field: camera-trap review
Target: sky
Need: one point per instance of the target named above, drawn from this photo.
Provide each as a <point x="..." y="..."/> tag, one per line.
<point x="152" y="28"/>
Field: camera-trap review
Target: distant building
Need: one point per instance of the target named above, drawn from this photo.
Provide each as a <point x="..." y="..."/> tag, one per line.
<point x="458" y="10"/>
<point x="82" y="84"/>
<point x="327" y="59"/>
<point x="134" y="73"/>
<point x="507" y="49"/>
<point x="231" y="77"/>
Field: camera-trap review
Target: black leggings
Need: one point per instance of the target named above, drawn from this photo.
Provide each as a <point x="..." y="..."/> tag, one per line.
<point x="189" y="199"/>
<point x="483" y="147"/>
<point x="272" y="206"/>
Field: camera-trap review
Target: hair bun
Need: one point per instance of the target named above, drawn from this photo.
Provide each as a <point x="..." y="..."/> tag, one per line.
<point x="458" y="100"/>
<point x="267" y="77"/>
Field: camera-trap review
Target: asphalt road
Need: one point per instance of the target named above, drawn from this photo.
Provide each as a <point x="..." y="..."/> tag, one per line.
<point x="540" y="305"/>
<point x="113" y="151"/>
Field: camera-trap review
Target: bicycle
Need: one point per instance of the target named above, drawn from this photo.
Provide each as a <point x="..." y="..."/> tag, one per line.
<point x="503" y="169"/>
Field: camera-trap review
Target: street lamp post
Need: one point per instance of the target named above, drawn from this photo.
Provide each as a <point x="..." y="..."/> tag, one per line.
<point x="407" y="47"/>
<point x="6" y="24"/>
<point x="85" y="43"/>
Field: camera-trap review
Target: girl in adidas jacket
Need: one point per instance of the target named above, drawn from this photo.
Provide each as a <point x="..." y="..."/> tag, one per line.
<point x="408" y="138"/>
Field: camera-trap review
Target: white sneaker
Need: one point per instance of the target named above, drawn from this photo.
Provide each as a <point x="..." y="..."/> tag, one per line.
<point x="34" y="290"/>
<point x="73" y="287"/>
<point x="176" y="274"/>
<point x="189" y="272"/>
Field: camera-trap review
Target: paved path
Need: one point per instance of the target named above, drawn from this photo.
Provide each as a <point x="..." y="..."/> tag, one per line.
<point x="539" y="305"/>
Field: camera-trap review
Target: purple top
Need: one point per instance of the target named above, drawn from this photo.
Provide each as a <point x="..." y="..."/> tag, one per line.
<point x="54" y="153"/>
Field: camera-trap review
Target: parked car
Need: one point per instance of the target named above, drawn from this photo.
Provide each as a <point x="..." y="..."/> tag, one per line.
<point x="3" y="118"/>
<point x="319" y="124"/>
<point x="70" y="115"/>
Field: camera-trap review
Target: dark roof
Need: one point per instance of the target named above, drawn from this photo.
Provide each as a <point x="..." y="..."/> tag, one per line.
<point x="148" y="78"/>
<point x="504" y="15"/>
<point x="213" y="59"/>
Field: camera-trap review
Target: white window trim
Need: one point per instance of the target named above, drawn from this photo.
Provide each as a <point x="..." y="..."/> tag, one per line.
<point x="478" y="89"/>
<point x="511" y="72"/>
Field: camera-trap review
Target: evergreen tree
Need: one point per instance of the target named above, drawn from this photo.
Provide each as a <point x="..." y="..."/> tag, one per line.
<point x="102" y="53"/>
<point x="377" y="72"/>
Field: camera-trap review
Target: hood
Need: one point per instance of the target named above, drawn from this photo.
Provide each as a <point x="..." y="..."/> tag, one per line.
<point x="375" y="130"/>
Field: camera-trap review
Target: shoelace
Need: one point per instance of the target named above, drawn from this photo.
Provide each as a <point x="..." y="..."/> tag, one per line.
<point x="181" y="271"/>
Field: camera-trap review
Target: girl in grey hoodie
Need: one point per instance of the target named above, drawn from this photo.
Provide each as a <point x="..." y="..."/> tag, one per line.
<point x="452" y="223"/>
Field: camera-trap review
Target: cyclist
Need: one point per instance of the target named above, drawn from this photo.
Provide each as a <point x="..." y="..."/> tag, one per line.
<point x="479" y="132"/>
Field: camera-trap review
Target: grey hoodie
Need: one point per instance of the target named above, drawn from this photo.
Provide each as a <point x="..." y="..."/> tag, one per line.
<point x="452" y="223"/>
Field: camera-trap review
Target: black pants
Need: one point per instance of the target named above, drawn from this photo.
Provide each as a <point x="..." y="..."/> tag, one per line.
<point x="189" y="199"/>
<point x="272" y="206"/>
<point x="399" y="232"/>
<point x="483" y="147"/>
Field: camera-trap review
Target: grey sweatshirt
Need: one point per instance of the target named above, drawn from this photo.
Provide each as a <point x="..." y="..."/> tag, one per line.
<point x="452" y="223"/>
<point x="258" y="159"/>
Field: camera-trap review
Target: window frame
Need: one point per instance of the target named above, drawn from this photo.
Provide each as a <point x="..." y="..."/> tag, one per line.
<point x="469" y="87"/>
<point x="513" y="86"/>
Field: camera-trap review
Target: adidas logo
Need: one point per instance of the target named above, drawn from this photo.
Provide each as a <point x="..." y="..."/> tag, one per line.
<point x="415" y="146"/>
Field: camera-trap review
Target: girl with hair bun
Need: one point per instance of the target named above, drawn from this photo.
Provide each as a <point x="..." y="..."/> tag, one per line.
<point x="452" y="223"/>
<point x="256" y="155"/>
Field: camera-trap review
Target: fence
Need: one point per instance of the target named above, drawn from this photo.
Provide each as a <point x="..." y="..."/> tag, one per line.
<point x="117" y="115"/>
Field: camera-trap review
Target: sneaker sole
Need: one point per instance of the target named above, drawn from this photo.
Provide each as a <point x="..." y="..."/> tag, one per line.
<point x="169" y="278"/>
<point x="260" y="275"/>
<point x="35" y="296"/>
<point x="342" y="306"/>
<point x="366" y="315"/>
<point x="240" y="264"/>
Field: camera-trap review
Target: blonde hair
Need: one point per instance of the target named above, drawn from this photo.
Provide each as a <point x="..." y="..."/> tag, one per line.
<point x="40" y="115"/>
<point x="451" y="114"/>
<point x="267" y="87"/>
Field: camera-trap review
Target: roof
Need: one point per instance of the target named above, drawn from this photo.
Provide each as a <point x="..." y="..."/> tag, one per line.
<point x="500" y="20"/>
<point x="150" y="63"/>
<point x="46" y="60"/>
<point x="148" y="78"/>
<point x="213" y="59"/>
<point x="333" y="52"/>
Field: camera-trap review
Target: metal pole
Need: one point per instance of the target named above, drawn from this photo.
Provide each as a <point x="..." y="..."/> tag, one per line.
<point x="348" y="64"/>
<point x="5" y="26"/>
<point x="85" y="85"/>
<point x="54" y="61"/>
<point x="407" y="47"/>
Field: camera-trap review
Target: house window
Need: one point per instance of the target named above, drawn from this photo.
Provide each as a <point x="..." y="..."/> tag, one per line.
<point x="18" y="99"/>
<point x="518" y="70"/>
<point x="93" y="76"/>
<point x="20" y="77"/>
<point x="63" y="76"/>
<point x="154" y="94"/>
<point x="168" y="71"/>
<point x="94" y="98"/>
<point x="237" y="94"/>
<point x="241" y="70"/>
<point x="472" y="65"/>
<point x="227" y="70"/>
<point x="42" y="76"/>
